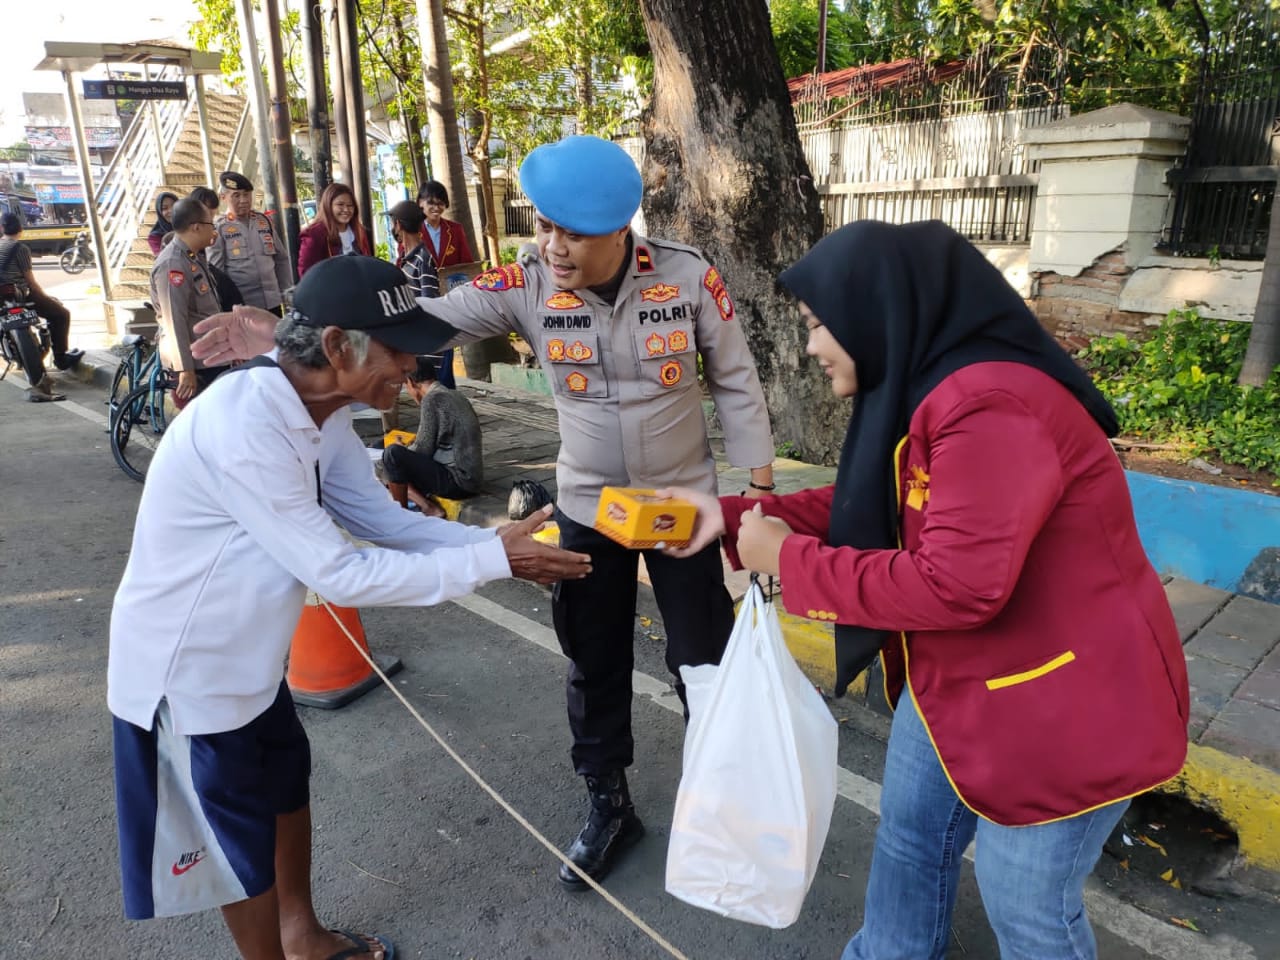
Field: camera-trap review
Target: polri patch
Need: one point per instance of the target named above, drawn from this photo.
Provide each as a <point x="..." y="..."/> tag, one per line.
<point x="177" y="277"/>
<point x="500" y="279"/>
<point x="715" y="286"/>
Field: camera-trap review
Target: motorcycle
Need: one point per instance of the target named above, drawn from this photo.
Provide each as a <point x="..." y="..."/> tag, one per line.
<point x="24" y="336"/>
<point x="77" y="256"/>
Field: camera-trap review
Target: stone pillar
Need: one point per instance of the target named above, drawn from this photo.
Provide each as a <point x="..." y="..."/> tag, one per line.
<point x="1101" y="205"/>
<point x="1102" y="185"/>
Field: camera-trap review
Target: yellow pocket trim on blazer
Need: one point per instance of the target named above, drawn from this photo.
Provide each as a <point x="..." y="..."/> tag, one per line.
<point x="997" y="683"/>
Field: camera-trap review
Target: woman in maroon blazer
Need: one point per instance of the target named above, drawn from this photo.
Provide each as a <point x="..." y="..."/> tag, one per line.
<point x="337" y="229"/>
<point x="980" y="537"/>
<point x="445" y="240"/>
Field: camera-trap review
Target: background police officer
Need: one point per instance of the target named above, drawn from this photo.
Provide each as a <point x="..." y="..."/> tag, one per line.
<point x="618" y="322"/>
<point x="183" y="292"/>
<point x="248" y="249"/>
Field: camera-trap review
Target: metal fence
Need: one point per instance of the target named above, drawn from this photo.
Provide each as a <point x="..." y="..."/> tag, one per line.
<point x="919" y="142"/>
<point x="1224" y="189"/>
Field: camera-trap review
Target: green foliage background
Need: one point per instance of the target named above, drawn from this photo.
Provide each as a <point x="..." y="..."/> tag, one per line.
<point x="1179" y="386"/>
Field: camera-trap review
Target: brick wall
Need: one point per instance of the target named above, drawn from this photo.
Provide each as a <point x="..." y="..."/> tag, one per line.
<point x="1086" y="304"/>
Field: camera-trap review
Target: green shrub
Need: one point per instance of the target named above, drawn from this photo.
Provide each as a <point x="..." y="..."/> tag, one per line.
<point x="1180" y="387"/>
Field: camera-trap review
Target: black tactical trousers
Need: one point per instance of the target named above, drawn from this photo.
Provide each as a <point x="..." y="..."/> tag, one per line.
<point x="595" y="624"/>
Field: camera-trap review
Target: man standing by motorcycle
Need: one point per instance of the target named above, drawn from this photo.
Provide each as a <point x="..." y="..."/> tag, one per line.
<point x="16" y="268"/>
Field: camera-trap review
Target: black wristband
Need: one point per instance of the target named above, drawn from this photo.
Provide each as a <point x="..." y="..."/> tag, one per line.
<point x="766" y="487"/>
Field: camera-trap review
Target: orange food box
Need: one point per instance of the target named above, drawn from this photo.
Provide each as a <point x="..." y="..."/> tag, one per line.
<point x="640" y="520"/>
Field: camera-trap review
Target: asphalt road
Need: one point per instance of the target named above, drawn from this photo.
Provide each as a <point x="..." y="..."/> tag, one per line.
<point x="405" y="843"/>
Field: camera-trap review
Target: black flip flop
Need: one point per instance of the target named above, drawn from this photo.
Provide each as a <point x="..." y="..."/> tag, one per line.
<point x="360" y="948"/>
<point x="35" y="396"/>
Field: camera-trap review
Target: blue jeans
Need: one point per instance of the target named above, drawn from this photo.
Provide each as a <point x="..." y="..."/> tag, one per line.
<point x="1031" y="878"/>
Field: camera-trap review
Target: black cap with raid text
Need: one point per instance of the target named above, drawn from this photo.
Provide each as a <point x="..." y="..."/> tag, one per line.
<point x="371" y="295"/>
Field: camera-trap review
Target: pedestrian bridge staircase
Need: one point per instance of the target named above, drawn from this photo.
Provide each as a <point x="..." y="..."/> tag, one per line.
<point x="162" y="151"/>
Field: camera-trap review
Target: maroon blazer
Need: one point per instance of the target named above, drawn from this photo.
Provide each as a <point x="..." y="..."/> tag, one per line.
<point x="1035" y="636"/>
<point x="453" y="244"/>
<point x="314" y="245"/>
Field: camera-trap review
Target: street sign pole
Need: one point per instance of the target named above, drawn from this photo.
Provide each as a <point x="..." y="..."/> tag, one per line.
<point x="90" y="199"/>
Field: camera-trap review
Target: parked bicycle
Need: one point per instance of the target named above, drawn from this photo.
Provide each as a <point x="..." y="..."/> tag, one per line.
<point x="77" y="256"/>
<point x="139" y="415"/>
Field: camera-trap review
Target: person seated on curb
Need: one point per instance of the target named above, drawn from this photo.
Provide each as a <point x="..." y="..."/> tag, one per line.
<point x="236" y="524"/>
<point x="16" y="268"/>
<point x="445" y="458"/>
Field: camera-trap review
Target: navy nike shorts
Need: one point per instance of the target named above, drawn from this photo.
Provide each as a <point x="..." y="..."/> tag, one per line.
<point x="197" y="814"/>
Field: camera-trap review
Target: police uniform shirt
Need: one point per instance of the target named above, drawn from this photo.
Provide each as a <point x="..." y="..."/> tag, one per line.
<point x="625" y="377"/>
<point x="183" y="293"/>
<point x="251" y="254"/>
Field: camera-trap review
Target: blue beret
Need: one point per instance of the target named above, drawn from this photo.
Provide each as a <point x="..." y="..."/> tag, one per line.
<point x="585" y="184"/>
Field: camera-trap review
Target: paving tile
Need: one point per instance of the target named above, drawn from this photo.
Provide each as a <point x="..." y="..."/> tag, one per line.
<point x="1244" y="632"/>
<point x="1212" y="684"/>
<point x="1248" y="730"/>
<point x="1263" y="685"/>
<point x="1193" y="604"/>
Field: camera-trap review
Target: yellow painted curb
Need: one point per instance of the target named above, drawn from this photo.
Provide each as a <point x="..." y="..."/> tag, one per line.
<point x="1243" y="793"/>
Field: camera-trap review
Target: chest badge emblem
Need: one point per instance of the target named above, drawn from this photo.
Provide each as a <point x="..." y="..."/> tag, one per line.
<point x="555" y="350"/>
<point x="917" y="488"/>
<point x="670" y="373"/>
<point x="678" y="341"/>
<point x="660" y="293"/>
<point x="579" y="352"/>
<point x="564" y="300"/>
<point x="656" y="346"/>
<point x="576" y="382"/>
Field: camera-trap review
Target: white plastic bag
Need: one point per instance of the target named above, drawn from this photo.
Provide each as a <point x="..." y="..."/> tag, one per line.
<point x="759" y="782"/>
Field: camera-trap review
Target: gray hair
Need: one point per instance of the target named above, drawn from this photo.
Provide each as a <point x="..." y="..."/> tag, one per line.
<point x="302" y="342"/>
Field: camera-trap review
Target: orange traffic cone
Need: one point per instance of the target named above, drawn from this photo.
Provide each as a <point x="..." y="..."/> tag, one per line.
<point x="325" y="669"/>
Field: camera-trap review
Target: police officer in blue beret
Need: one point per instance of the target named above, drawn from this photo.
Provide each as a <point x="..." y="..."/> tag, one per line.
<point x="619" y="323"/>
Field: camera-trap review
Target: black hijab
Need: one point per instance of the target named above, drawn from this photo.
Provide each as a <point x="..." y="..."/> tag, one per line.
<point x="911" y="305"/>
<point x="162" y="225"/>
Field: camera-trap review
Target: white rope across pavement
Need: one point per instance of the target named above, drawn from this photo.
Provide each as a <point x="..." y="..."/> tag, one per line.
<point x="497" y="797"/>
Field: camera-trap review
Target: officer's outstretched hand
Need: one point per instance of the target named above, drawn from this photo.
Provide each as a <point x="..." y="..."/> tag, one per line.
<point x="536" y="561"/>
<point x="708" y="526"/>
<point x="242" y="333"/>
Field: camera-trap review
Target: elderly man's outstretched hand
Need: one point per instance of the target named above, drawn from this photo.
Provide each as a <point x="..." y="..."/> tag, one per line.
<point x="241" y="333"/>
<point x="540" y="562"/>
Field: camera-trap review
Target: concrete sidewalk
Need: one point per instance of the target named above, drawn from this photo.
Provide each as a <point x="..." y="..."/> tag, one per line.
<point x="1232" y="643"/>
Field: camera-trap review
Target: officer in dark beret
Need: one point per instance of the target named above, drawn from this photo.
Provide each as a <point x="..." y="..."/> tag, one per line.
<point x="248" y="248"/>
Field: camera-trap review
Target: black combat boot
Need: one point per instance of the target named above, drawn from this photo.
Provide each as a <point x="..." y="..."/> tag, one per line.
<point x="611" y="827"/>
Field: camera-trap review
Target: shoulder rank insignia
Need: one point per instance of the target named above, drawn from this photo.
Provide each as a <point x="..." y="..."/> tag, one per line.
<point x="508" y="277"/>
<point x="670" y="373"/>
<point x="656" y="346"/>
<point x="644" y="260"/>
<point x="660" y="293"/>
<point x="715" y="286"/>
<point x="678" y="341"/>
<point x="177" y="277"/>
<point x="917" y="488"/>
<point x="564" y="300"/>
<point x="576" y="382"/>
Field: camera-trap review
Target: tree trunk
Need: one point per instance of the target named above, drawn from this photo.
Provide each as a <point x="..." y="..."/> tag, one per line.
<point x="480" y="152"/>
<point x="724" y="172"/>
<point x="442" y="115"/>
<point x="1263" y="355"/>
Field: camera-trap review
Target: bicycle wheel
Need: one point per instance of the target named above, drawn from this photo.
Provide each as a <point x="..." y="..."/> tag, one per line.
<point x="70" y="262"/>
<point x="121" y="385"/>
<point x="134" y="435"/>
